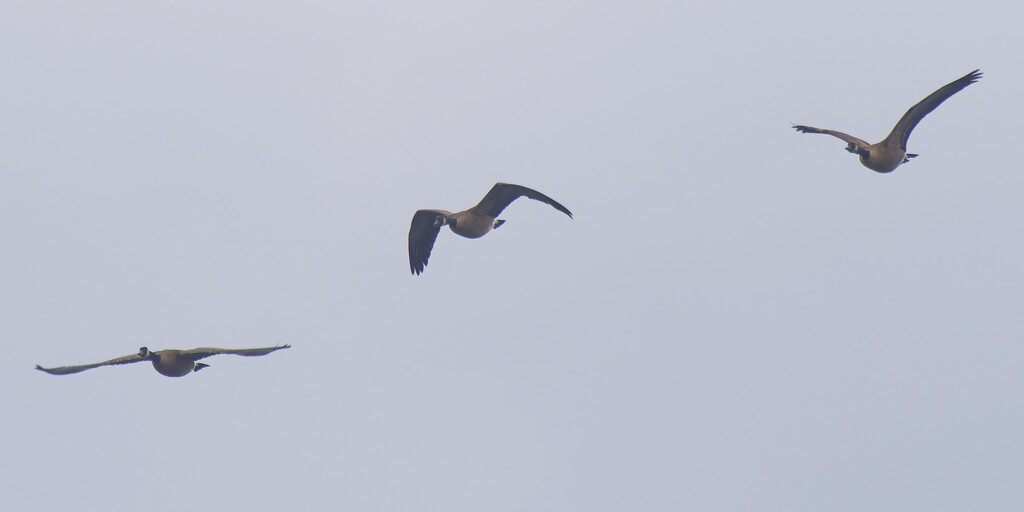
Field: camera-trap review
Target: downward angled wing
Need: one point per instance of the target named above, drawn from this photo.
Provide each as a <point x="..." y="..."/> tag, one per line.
<point x="64" y="370"/>
<point x="422" y="234"/>
<point x="202" y="352"/>
<point x="502" y="194"/>
<point x="848" y="138"/>
<point x="901" y="132"/>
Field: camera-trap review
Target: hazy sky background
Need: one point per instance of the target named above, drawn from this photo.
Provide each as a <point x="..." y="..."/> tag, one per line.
<point x="739" y="317"/>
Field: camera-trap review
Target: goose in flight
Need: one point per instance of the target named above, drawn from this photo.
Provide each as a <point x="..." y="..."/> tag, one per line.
<point x="172" y="363"/>
<point x="472" y="223"/>
<point x="887" y="155"/>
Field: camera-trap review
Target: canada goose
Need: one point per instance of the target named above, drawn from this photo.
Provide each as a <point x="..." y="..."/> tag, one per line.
<point x="172" y="363"/>
<point x="887" y="155"/>
<point x="472" y="223"/>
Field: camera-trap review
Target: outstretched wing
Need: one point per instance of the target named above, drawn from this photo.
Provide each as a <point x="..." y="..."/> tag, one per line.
<point x="64" y="370"/>
<point x="202" y="352"/>
<point x="901" y="132"/>
<point x="848" y="138"/>
<point x="502" y="194"/>
<point x="422" y="234"/>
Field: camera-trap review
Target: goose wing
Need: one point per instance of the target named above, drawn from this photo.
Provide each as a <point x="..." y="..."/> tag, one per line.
<point x="502" y="194"/>
<point x="847" y="138"/>
<point x="64" y="370"/>
<point x="901" y="132"/>
<point x="422" y="234"/>
<point x="203" y="352"/>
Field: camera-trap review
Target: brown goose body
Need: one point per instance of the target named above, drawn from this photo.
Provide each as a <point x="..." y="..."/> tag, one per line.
<point x="890" y="153"/>
<point x="472" y="223"/>
<point x="172" y="362"/>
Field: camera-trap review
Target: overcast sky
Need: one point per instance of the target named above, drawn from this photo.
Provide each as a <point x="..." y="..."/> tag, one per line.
<point x="738" y="317"/>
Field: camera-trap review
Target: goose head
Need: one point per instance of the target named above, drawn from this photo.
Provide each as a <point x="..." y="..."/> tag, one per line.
<point x="854" y="148"/>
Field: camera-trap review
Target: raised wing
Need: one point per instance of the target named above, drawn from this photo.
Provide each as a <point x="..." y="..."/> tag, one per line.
<point x="847" y="138"/>
<point x="64" y="370"/>
<point x="901" y="132"/>
<point x="422" y="234"/>
<point x="502" y="194"/>
<point x="203" y="352"/>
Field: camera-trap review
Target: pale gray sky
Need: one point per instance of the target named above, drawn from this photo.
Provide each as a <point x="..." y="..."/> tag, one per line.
<point x="739" y="317"/>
